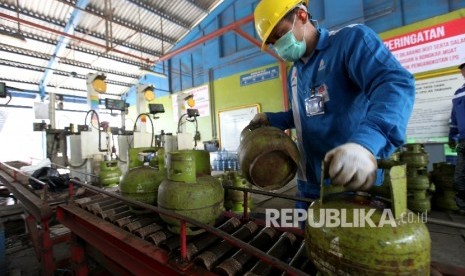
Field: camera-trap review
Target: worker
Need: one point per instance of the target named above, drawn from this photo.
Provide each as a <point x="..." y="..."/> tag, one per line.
<point x="350" y="98"/>
<point x="457" y="141"/>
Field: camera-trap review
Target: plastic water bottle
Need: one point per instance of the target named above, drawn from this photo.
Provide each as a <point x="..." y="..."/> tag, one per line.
<point x="216" y="164"/>
<point x="231" y="165"/>
<point x="220" y="155"/>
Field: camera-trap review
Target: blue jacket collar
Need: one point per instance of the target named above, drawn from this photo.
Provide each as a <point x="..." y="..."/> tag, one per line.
<point x="323" y="42"/>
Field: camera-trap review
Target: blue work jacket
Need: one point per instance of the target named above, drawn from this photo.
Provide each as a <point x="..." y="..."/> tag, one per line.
<point x="457" y="117"/>
<point x="368" y="99"/>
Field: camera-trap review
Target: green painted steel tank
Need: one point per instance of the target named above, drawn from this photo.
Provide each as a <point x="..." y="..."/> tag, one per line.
<point x="419" y="201"/>
<point x="418" y="185"/>
<point x="268" y="157"/>
<point x="142" y="181"/>
<point x="234" y="200"/>
<point x="190" y="190"/>
<point x="418" y="179"/>
<point x="443" y="175"/>
<point x="415" y="156"/>
<point x="445" y="200"/>
<point x="355" y="247"/>
<point x="110" y="173"/>
<point x="443" y="178"/>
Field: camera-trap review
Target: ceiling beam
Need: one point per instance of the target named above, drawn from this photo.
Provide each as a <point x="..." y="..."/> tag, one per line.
<point x="62" y="24"/>
<point x="37" y="68"/>
<point x="37" y="83"/>
<point x="77" y="47"/>
<point x="51" y="30"/>
<point x="4" y="79"/>
<point x="123" y="22"/>
<point x="122" y="43"/>
<point x="21" y="65"/>
<point x="203" y="9"/>
<point x="207" y="37"/>
<point x="62" y="43"/>
<point x="67" y="61"/>
<point x="161" y="13"/>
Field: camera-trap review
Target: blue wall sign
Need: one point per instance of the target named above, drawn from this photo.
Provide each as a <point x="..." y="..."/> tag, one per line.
<point x="259" y="76"/>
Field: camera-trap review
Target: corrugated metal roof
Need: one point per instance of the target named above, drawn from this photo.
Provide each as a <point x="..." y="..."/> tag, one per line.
<point x="116" y="37"/>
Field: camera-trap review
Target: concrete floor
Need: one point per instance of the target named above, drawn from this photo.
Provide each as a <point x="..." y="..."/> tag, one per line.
<point x="448" y="244"/>
<point x="21" y="258"/>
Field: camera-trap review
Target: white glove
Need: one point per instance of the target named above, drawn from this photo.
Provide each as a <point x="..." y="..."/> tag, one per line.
<point x="259" y="120"/>
<point x="352" y="166"/>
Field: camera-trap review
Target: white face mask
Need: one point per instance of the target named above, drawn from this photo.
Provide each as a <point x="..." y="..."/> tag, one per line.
<point x="288" y="47"/>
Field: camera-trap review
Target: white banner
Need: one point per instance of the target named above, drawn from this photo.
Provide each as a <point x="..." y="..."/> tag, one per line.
<point x="432" y="108"/>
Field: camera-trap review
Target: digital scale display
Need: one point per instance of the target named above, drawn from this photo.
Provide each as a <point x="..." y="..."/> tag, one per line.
<point x="156" y="108"/>
<point x="115" y="104"/>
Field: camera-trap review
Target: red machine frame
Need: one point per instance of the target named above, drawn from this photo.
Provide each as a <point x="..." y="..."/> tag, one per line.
<point x="39" y="214"/>
<point x="145" y="257"/>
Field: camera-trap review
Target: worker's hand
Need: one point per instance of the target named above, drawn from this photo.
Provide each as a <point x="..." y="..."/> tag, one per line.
<point x="452" y="144"/>
<point x="352" y="166"/>
<point x="259" y="120"/>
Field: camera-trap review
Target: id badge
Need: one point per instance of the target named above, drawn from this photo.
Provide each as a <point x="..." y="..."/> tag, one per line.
<point x="315" y="105"/>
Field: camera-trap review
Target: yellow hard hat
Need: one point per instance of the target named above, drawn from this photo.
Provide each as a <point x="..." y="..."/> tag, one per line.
<point x="269" y="12"/>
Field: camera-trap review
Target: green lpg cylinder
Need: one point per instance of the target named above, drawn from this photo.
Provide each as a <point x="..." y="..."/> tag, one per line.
<point x="268" y="157"/>
<point x="443" y="178"/>
<point x="415" y="156"/>
<point x="419" y="201"/>
<point x="400" y="247"/>
<point x="445" y="200"/>
<point x="110" y="173"/>
<point x="418" y="185"/>
<point x="141" y="183"/>
<point x="443" y="175"/>
<point x="418" y="179"/>
<point x="234" y="200"/>
<point x="190" y="190"/>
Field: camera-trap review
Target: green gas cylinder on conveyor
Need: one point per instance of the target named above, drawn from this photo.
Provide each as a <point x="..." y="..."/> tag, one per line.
<point x="190" y="190"/>
<point x="143" y="178"/>
<point x="110" y="173"/>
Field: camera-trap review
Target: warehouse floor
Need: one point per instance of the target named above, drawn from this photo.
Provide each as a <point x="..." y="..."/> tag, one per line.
<point x="448" y="244"/>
